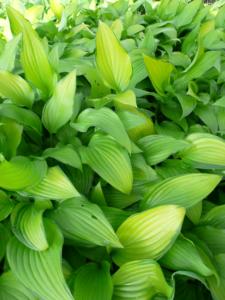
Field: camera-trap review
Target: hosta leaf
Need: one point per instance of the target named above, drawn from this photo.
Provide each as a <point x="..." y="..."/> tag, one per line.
<point x="184" y="255"/>
<point x="12" y="132"/>
<point x="106" y="120"/>
<point x="110" y="161"/>
<point x="159" y="72"/>
<point x="185" y="190"/>
<point x="206" y="151"/>
<point x="218" y="290"/>
<point x="213" y="237"/>
<point x="11" y="288"/>
<point x="40" y="272"/>
<point x="65" y="154"/>
<point x="206" y="62"/>
<point x="157" y="148"/>
<point x="33" y="56"/>
<point x="194" y="212"/>
<point x="59" y="109"/>
<point x="125" y="99"/>
<point x="215" y="217"/>
<point x="93" y="281"/>
<point x="85" y="223"/>
<point x="55" y="186"/>
<point x="21" y="172"/>
<point x="21" y="115"/>
<point x="16" y="89"/>
<point x="140" y="279"/>
<point x="187" y="14"/>
<point x="113" y="62"/>
<point x="148" y="234"/>
<point x="115" y="216"/>
<point x="6" y="205"/>
<point x="27" y="224"/>
<point x="5" y="236"/>
<point x="136" y="123"/>
<point x="8" y="56"/>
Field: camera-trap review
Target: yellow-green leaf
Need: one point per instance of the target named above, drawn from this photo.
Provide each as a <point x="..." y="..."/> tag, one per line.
<point x="55" y="186"/>
<point x="148" y="234"/>
<point x="59" y="109"/>
<point x="15" y="88"/>
<point x="159" y="72"/>
<point x="113" y="62"/>
<point x="184" y="190"/>
<point x="140" y="279"/>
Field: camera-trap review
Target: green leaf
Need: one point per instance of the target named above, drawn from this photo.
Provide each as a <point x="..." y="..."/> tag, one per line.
<point x="11" y="288"/>
<point x="21" y="172"/>
<point x="203" y="64"/>
<point x="185" y="190"/>
<point x="106" y="120"/>
<point x="218" y="290"/>
<point x="148" y="234"/>
<point x="40" y="272"/>
<point x="194" y="212"/>
<point x="55" y="186"/>
<point x="187" y="14"/>
<point x="6" y="205"/>
<point x="140" y="279"/>
<point x="93" y="281"/>
<point x="16" y="89"/>
<point x="213" y="237"/>
<point x="59" y="109"/>
<point x="185" y="255"/>
<point x="115" y="216"/>
<point x="22" y="116"/>
<point x="214" y="217"/>
<point x="27" y="224"/>
<point x="113" y="62"/>
<point x="64" y="154"/>
<point x="137" y="123"/>
<point x="12" y="132"/>
<point x="84" y="223"/>
<point x="206" y="151"/>
<point x="125" y="99"/>
<point x="159" y="72"/>
<point x="33" y="56"/>
<point x="5" y="236"/>
<point x="157" y="148"/>
<point x="8" y="56"/>
<point x="110" y="161"/>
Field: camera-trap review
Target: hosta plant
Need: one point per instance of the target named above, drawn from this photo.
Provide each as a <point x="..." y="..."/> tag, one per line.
<point x="112" y="150"/>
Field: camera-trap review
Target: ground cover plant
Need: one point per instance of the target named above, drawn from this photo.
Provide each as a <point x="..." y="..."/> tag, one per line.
<point x="112" y="150"/>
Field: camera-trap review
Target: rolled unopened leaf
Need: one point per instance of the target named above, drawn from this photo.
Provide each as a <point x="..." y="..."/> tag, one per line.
<point x="206" y="151"/>
<point x="33" y="56"/>
<point x="84" y="223"/>
<point x="93" y="281"/>
<point x="15" y="88"/>
<point x="184" y="255"/>
<point x="21" y="172"/>
<point x="59" y="109"/>
<point x="55" y="186"/>
<point x="40" y="271"/>
<point x="159" y="72"/>
<point x="107" y="158"/>
<point x="106" y="120"/>
<point x="140" y="279"/>
<point x="148" y="234"/>
<point x="113" y="62"/>
<point x="185" y="190"/>
<point x="27" y="224"/>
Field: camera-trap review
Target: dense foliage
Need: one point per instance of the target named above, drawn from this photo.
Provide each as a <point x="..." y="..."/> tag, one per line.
<point x="112" y="150"/>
